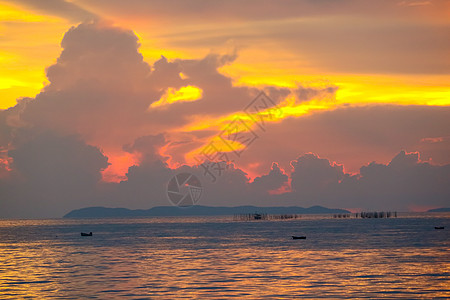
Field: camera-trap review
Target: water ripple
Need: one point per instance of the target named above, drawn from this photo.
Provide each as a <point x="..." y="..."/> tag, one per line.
<point x="218" y="258"/>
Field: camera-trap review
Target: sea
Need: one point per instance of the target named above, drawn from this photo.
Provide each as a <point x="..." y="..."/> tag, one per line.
<point x="219" y="258"/>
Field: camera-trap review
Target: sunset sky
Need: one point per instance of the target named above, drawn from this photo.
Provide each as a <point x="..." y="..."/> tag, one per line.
<point x="102" y="102"/>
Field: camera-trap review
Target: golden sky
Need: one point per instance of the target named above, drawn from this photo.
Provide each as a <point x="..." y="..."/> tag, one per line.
<point x="352" y="82"/>
<point x="390" y="52"/>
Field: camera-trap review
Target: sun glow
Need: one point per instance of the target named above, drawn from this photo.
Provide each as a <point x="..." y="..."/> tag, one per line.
<point x="118" y="167"/>
<point x="184" y="94"/>
<point x="32" y="43"/>
<point x="29" y="42"/>
<point x="232" y="125"/>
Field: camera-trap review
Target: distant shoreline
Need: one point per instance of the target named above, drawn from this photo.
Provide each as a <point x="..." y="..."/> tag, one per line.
<point x="442" y="209"/>
<point x="196" y="210"/>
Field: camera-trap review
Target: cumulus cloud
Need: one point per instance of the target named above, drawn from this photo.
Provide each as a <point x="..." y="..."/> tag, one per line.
<point x="312" y="174"/>
<point x="274" y="180"/>
<point x="404" y="181"/>
<point x="50" y="174"/>
<point x="97" y="82"/>
<point x="66" y="172"/>
<point x="54" y="147"/>
<point x="399" y="185"/>
<point x="101" y="81"/>
<point x="353" y="136"/>
<point x="147" y="147"/>
<point x="96" y="52"/>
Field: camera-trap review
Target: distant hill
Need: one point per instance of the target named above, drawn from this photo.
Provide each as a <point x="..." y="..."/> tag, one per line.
<point x="442" y="209"/>
<point x="196" y="210"/>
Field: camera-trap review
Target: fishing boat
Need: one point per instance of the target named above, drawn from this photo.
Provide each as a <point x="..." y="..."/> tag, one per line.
<point x="86" y="234"/>
<point x="298" y="237"/>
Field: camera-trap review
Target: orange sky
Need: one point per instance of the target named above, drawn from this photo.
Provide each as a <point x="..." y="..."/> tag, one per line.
<point x="337" y="103"/>
<point x="31" y="37"/>
<point x="388" y="52"/>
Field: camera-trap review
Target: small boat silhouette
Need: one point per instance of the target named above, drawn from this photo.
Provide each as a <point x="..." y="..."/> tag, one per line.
<point x="439" y="227"/>
<point x="86" y="234"/>
<point x="298" y="237"/>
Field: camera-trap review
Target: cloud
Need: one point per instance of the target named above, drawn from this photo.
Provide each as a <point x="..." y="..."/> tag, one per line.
<point x="100" y="53"/>
<point x="98" y="71"/>
<point x="273" y="181"/>
<point x="308" y="93"/>
<point x="344" y="36"/>
<point x="61" y="8"/>
<point x="404" y="181"/>
<point x="366" y="46"/>
<point x="414" y="3"/>
<point x="144" y="187"/>
<point x="353" y="136"/>
<point x="253" y="10"/>
<point x="312" y="174"/>
<point x="101" y="81"/>
<point x="147" y="147"/>
<point x="47" y="153"/>
<point x="50" y="174"/>
<point x="54" y="147"/>
<point x="399" y="185"/>
<point x="54" y="174"/>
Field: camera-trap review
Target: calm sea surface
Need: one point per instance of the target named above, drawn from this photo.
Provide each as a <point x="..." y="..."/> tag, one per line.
<point x="208" y="257"/>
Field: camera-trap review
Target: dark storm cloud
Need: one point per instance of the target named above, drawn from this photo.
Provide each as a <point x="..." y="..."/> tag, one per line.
<point x="96" y="52"/>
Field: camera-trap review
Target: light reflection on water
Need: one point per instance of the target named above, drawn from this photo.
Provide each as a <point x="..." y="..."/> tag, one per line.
<point x="220" y="258"/>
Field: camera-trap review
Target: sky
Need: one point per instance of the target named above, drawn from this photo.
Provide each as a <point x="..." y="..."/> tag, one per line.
<point x="344" y="104"/>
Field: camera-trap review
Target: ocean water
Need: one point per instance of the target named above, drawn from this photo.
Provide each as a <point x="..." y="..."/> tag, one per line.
<point x="216" y="257"/>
